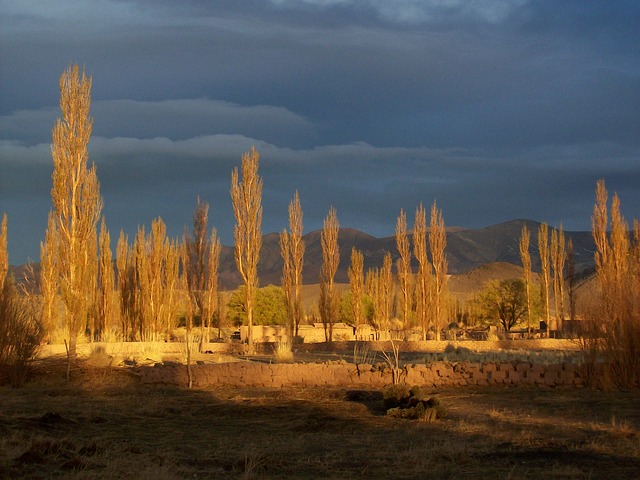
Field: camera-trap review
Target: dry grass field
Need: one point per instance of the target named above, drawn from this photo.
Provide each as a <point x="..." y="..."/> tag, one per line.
<point x="104" y="424"/>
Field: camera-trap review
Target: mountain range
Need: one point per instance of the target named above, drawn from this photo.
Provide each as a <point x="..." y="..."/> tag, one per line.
<point x="467" y="250"/>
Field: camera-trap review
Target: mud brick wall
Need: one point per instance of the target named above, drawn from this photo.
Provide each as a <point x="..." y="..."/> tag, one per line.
<point x="343" y="374"/>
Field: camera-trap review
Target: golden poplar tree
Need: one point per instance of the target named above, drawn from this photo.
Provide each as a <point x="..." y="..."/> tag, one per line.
<point x="616" y="325"/>
<point x="403" y="266"/>
<point x="246" y="197"/>
<point x="171" y="299"/>
<point x="356" y="285"/>
<point x="599" y="226"/>
<point x="423" y="277"/>
<point x="292" y="248"/>
<point x="636" y="247"/>
<point x="558" y="261"/>
<point x="107" y="306"/>
<point x="437" y="246"/>
<point x="190" y="308"/>
<point x="197" y="247"/>
<point x="151" y="261"/>
<point x="201" y="269"/>
<point x="127" y="288"/>
<point x="525" y="258"/>
<point x="571" y="279"/>
<point x="210" y="298"/>
<point x="4" y="252"/>
<point x="330" y="260"/>
<point x="371" y="289"/>
<point x="613" y="251"/>
<point x="543" y="249"/>
<point x="379" y="285"/>
<point x="386" y="290"/>
<point x="93" y="317"/>
<point x="49" y="278"/>
<point x="76" y="202"/>
<point x="195" y="261"/>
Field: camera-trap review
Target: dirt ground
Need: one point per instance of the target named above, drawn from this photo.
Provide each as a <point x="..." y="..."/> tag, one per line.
<point x="104" y="424"/>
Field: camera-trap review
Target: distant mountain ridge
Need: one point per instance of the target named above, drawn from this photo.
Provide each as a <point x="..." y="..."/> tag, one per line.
<point x="467" y="249"/>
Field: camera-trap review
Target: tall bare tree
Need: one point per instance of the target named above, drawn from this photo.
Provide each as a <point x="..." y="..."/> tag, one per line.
<point x="292" y="249"/>
<point x="107" y="305"/>
<point x="403" y="266"/>
<point x="49" y="278"/>
<point x="599" y="227"/>
<point x="525" y="258"/>
<point x="543" y="249"/>
<point x="612" y="252"/>
<point x="379" y="285"/>
<point x="151" y="261"/>
<point x="196" y="244"/>
<point x="210" y="299"/>
<point x="172" y="287"/>
<point x="148" y="282"/>
<point x="423" y="278"/>
<point x="201" y="269"/>
<point x="616" y="325"/>
<point x="190" y="307"/>
<point x="356" y="285"/>
<point x="571" y="279"/>
<point x="127" y="288"/>
<point x="635" y="253"/>
<point x="246" y="197"/>
<point x="330" y="261"/>
<point x="386" y="290"/>
<point x="558" y="262"/>
<point x="76" y="202"/>
<point x="437" y="246"/>
<point x="4" y="253"/>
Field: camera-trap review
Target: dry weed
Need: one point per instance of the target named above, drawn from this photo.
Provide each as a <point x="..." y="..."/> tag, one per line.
<point x="282" y="351"/>
<point x="255" y="462"/>
<point x="363" y="355"/>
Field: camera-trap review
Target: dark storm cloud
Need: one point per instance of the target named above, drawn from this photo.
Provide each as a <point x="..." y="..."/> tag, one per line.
<point x="175" y="119"/>
<point x="499" y="109"/>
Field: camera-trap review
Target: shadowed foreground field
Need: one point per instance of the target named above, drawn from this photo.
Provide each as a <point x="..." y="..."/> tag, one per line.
<point x="105" y="424"/>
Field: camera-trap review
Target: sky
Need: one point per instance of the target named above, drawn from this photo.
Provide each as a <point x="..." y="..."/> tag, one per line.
<point x="496" y="109"/>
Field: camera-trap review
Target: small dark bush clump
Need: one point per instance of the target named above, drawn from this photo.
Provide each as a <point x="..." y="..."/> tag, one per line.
<point x="396" y="396"/>
<point x="450" y="348"/>
<point x="400" y="401"/>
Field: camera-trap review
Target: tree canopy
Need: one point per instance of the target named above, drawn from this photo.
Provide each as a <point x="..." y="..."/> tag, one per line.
<point x="270" y="306"/>
<point x="504" y="301"/>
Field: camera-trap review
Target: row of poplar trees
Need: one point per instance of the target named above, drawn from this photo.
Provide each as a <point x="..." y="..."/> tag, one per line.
<point x="139" y="298"/>
<point x="422" y="295"/>
<point x="155" y="275"/>
<point x="556" y="269"/>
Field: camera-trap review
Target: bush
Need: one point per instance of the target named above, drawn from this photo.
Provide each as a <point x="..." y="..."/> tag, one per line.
<point x="20" y="335"/>
<point x="396" y="396"/>
<point x="283" y="352"/>
<point x="402" y="402"/>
